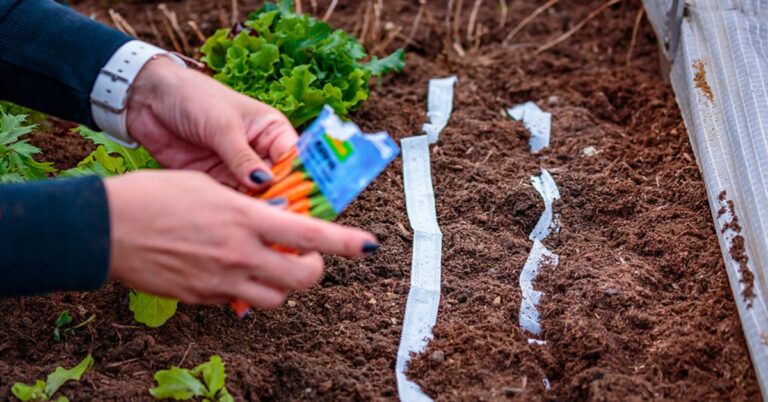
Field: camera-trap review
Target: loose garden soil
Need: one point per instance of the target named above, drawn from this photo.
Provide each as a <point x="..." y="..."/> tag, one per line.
<point x="638" y="308"/>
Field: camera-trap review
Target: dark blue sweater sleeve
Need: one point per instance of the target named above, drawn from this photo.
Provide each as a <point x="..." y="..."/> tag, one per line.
<point x="50" y="56"/>
<point x="54" y="235"/>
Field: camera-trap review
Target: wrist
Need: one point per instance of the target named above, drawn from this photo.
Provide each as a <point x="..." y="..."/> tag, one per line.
<point x="115" y="82"/>
<point x="154" y="82"/>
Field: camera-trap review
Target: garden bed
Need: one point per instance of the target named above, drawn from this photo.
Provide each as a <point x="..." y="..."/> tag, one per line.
<point x="639" y="305"/>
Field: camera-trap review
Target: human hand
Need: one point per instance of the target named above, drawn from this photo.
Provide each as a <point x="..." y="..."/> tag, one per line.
<point x="188" y="120"/>
<point x="180" y="234"/>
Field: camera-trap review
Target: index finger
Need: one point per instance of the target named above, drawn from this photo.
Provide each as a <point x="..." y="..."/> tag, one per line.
<point x="310" y="234"/>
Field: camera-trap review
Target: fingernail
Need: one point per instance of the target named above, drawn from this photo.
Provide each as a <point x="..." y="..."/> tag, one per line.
<point x="277" y="201"/>
<point x="259" y="176"/>
<point x="370" y="247"/>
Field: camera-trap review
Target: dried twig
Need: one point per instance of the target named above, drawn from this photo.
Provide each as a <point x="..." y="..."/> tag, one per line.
<point x="298" y="7"/>
<point x="358" y="19"/>
<point x="473" y="19"/>
<point x="196" y="29"/>
<point x="447" y="37"/>
<point x="635" y="31"/>
<point x="503" y="12"/>
<point x="153" y="28"/>
<point x="578" y="26"/>
<point x="121" y="23"/>
<point x="313" y="3"/>
<point x="223" y="20"/>
<point x="235" y="12"/>
<point x="416" y="21"/>
<point x="527" y="20"/>
<point x="169" y="32"/>
<point x="387" y="40"/>
<point x="366" y="22"/>
<point x="174" y="21"/>
<point x="480" y="31"/>
<point x="375" y="33"/>
<point x="457" y="28"/>
<point x="186" y="352"/>
<point x="329" y="12"/>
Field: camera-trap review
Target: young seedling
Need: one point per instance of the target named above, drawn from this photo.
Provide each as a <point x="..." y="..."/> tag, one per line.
<point x="183" y="385"/>
<point x="16" y="162"/>
<point x="45" y="390"/>
<point x="63" y="329"/>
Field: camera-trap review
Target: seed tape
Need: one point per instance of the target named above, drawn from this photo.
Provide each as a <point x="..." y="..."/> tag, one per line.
<point x="424" y="294"/>
<point x="538" y="257"/>
<point x="719" y="75"/>
<point x="439" y="106"/>
<point x="537" y="121"/>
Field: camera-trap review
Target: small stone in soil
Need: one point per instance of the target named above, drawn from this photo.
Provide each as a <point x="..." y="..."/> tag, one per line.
<point x="497" y="300"/>
<point x="437" y="356"/>
<point x="372" y="301"/>
<point x="553" y="100"/>
<point x="291" y="303"/>
<point x="589" y="151"/>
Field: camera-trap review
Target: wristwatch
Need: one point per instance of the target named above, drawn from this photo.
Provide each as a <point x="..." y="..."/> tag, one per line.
<point x="109" y="96"/>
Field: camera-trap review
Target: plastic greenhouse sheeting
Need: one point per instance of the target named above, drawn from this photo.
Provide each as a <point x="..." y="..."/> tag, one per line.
<point x="719" y="72"/>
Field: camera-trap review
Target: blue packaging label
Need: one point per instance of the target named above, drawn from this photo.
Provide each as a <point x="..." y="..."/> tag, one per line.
<point x="342" y="160"/>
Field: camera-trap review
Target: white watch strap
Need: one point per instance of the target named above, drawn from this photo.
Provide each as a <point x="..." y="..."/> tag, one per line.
<point x="109" y="96"/>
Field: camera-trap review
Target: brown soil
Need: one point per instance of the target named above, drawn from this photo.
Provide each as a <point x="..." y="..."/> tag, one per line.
<point x="700" y="79"/>
<point x="639" y="306"/>
<point x="737" y="251"/>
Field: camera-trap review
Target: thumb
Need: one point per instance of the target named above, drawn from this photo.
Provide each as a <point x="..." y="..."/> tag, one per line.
<point x="246" y="166"/>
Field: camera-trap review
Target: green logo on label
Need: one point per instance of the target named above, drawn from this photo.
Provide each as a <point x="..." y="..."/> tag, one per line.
<point x="342" y="149"/>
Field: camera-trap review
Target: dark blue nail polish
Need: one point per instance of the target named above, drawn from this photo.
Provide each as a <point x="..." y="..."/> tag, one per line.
<point x="259" y="176"/>
<point x="277" y="201"/>
<point x="370" y="247"/>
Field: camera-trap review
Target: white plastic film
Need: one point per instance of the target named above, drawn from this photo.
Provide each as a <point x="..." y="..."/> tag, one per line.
<point x="537" y="121"/>
<point x="439" y="106"/>
<point x="720" y="78"/>
<point x="424" y="295"/>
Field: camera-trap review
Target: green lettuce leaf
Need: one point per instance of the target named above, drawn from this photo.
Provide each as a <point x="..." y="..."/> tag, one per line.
<point x="150" y="310"/>
<point x="295" y="63"/>
<point x="44" y="390"/>
<point x="184" y="384"/>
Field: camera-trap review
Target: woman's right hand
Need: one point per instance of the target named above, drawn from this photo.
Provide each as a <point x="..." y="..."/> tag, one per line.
<point x="181" y="234"/>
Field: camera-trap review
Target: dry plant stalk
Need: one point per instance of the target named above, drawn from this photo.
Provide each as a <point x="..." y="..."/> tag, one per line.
<point x="416" y="22"/>
<point x="473" y="20"/>
<point x="153" y="27"/>
<point x="358" y="20"/>
<point x="366" y="22"/>
<point x="527" y="20"/>
<point x="174" y="21"/>
<point x="457" y="28"/>
<point x="313" y="4"/>
<point x="329" y="12"/>
<point x="391" y="35"/>
<point x="480" y="31"/>
<point x="447" y="39"/>
<point x="376" y="31"/>
<point x="169" y="32"/>
<point x="635" y="32"/>
<point x="196" y="29"/>
<point x="235" y="12"/>
<point x="298" y="7"/>
<point x="223" y="19"/>
<point x="503" y="12"/>
<point x="576" y="28"/>
<point x="121" y="23"/>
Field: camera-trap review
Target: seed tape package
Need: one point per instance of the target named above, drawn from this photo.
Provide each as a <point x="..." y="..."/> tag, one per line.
<point x="331" y="164"/>
<point x="341" y="160"/>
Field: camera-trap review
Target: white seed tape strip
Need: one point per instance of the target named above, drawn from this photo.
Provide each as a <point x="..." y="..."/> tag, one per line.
<point x="529" y="315"/>
<point x="547" y="188"/>
<point x="538" y="257"/>
<point x="537" y="121"/>
<point x="424" y="295"/>
<point x="439" y="106"/>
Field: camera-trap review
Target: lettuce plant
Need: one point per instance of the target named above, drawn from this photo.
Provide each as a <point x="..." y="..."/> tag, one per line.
<point x="204" y="381"/>
<point x="45" y="390"/>
<point x="295" y="63"/>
